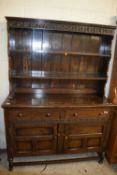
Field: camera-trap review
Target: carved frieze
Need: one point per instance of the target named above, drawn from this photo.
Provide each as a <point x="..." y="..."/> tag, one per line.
<point x="61" y="26"/>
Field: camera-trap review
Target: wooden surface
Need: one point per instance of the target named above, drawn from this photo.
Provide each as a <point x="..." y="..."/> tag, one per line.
<point x="56" y="100"/>
<point x="111" y="152"/>
<point x="52" y="131"/>
<point x="112" y="145"/>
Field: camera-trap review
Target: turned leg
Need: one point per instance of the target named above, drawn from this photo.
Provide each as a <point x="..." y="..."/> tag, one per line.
<point x="10" y="164"/>
<point x="101" y="157"/>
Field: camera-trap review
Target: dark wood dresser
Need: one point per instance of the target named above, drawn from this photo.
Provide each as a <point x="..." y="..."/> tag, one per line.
<point x="57" y="76"/>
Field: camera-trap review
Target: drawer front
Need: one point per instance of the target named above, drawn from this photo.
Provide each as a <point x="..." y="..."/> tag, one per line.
<point x="87" y="115"/>
<point x="37" y="147"/>
<point x="32" y="115"/>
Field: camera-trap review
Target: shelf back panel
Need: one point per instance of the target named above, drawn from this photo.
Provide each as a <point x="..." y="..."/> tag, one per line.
<point x="60" y="59"/>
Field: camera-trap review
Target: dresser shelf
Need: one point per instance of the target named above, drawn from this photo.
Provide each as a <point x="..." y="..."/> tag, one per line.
<point x="65" y="53"/>
<point x="56" y="75"/>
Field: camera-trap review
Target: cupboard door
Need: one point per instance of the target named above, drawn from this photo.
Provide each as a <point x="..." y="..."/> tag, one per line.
<point x="114" y="152"/>
<point x="111" y="152"/>
<point x="80" y="138"/>
<point x="39" y="139"/>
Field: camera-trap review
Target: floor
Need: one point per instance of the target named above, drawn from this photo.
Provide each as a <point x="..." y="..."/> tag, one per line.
<point x="79" y="168"/>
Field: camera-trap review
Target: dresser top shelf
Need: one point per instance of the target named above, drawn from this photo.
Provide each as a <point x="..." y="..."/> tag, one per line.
<point x="55" y="101"/>
<point x="57" y="64"/>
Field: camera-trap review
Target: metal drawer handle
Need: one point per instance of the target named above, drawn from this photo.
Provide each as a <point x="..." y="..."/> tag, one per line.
<point x="104" y="112"/>
<point x="55" y="137"/>
<point x="48" y="114"/>
<point x="75" y="114"/>
<point x="66" y="137"/>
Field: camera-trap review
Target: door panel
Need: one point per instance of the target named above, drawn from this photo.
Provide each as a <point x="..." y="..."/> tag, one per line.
<point x="33" y="131"/>
<point x="38" y="140"/>
<point x="82" y="138"/>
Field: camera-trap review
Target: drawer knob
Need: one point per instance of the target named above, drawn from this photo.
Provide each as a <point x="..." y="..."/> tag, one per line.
<point x="48" y="114"/>
<point x="66" y="137"/>
<point x="104" y="112"/>
<point x="75" y="114"/>
<point x="20" y="114"/>
<point x="55" y="137"/>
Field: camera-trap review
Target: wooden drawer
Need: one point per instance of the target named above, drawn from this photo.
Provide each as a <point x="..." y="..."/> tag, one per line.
<point x="33" y="114"/>
<point x="101" y="114"/>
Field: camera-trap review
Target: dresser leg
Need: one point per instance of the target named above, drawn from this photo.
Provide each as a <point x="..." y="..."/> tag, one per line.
<point x="10" y="164"/>
<point x="101" y="157"/>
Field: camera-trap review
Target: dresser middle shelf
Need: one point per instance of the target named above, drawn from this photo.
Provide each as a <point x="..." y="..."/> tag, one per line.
<point x="56" y="75"/>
